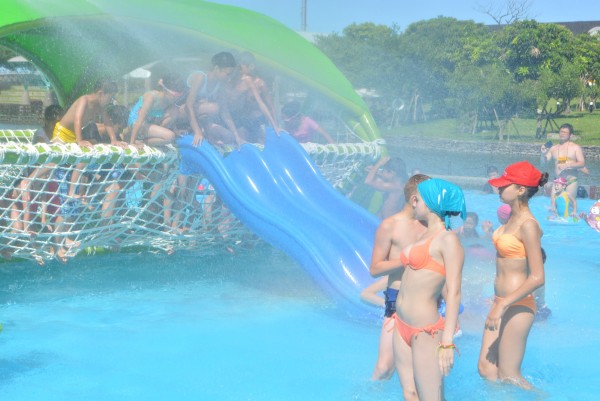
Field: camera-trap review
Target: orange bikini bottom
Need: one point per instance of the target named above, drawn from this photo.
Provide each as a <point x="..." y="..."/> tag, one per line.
<point x="527" y="302"/>
<point x="407" y="332"/>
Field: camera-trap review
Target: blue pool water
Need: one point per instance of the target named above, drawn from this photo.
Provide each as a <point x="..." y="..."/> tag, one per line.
<point x="254" y="327"/>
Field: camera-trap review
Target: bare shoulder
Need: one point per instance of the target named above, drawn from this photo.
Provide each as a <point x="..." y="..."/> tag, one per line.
<point x="531" y="226"/>
<point x="197" y="78"/>
<point x="400" y="220"/>
<point x="387" y="224"/>
<point x="449" y="238"/>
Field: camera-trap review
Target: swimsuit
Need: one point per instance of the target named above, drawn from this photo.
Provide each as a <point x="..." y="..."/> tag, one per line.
<point x="203" y="92"/>
<point x="528" y="302"/>
<point x="407" y="331"/>
<point x="391" y="294"/>
<point x="510" y="247"/>
<point x="63" y="134"/>
<point x="154" y="116"/>
<point x="419" y="258"/>
<point x="570" y="174"/>
<point x="562" y="204"/>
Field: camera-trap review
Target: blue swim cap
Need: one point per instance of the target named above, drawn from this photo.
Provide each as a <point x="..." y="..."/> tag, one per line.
<point x="443" y="198"/>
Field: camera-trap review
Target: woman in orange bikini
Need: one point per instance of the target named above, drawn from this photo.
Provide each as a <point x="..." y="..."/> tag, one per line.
<point x="422" y="336"/>
<point x="519" y="272"/>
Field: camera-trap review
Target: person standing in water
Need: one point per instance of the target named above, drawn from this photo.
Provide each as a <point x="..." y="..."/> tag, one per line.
<point x="562" y="204"/>
<point x="394" y="233"/>
<point x="388" y="176"/>
<point x="568" y="158"/>
<point x="423" y="339"/>
<point x="519" y="272"/>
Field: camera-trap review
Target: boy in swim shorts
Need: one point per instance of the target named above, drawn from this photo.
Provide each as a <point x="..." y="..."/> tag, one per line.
<point x="87" y="109"/>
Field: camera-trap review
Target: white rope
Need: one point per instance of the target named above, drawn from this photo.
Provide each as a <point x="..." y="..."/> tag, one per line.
<point x="128" y="197"/>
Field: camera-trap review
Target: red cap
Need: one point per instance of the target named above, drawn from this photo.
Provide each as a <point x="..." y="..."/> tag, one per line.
<point x="521" y="173"/>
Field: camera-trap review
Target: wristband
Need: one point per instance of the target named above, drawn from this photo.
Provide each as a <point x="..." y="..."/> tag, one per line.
<point x="448" y="346"/>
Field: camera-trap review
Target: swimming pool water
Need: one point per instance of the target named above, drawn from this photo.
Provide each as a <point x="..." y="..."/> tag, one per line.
<point x="254" y="327"/>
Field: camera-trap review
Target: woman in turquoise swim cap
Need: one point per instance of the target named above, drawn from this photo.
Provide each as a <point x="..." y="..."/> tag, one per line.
<point x="423" y="346"/>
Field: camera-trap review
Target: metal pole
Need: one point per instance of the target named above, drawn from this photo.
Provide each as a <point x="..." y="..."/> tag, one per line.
<point x="303" y="16"/>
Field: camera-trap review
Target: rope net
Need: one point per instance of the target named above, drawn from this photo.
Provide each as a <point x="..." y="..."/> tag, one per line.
<point x="60" y="200"/>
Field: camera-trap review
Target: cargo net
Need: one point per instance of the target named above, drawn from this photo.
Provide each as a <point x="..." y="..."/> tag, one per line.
<point x="57" y="201"/>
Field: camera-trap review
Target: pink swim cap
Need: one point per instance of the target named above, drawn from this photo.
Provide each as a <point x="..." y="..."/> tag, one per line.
<point x="503" y="213"/>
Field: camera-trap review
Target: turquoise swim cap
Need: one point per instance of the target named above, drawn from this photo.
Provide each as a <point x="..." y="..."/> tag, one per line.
<point x="443" y="198"/>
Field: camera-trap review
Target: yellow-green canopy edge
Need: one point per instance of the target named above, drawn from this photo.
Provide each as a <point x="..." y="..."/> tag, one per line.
<point x="77" y="41"/>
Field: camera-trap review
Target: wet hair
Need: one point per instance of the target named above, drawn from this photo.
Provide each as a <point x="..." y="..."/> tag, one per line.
<point x="53" y="113"/>
<point x="173" y="82"/>
<point x="118" y="115"/>
<point x="492" y="169"/>
<point x="397" y="166"/>
<point x="291" y="109"/>
<point x="106" y="85"/>
<point x="531" y="191"/>
<point x="567" y="126"/>
<point x="474" y="216"/>
<point x="410" y="188"/>
<point x="543" y="256"/>
<point x="223" y="60"/>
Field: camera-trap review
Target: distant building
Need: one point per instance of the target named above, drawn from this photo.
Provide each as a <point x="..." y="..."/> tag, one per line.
<point x="579" y="27"/>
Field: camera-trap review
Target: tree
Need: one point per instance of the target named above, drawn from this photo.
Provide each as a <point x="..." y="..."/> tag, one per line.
<point x="564" y="84"/>
<point x="529" y="47"/>
<point x="365" y="53"/>
<point x="509" y="12"/>
<point x="430" y="51"/>
<point x="490" y="93"/>
<point x="587" y="58"/>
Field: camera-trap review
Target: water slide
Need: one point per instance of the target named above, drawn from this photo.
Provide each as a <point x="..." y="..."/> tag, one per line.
<point x="280" y="195"/>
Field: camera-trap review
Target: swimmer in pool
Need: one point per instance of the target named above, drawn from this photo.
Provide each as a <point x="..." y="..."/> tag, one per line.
<point x="568" y="158"/>
<point x="562" y="203"/>
<point x="519" y="272"/>
<point x="394" y="233"/>
<point x="388" y="176"/>
<point x="433" y="265"/>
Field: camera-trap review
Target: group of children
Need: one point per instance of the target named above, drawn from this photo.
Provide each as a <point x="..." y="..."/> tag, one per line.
<point x="230" y="104"/>
<point x="227" y="105"/>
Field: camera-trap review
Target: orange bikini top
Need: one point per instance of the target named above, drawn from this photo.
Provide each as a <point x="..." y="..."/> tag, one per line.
<point x="419" y="258"/>
<point x="508" y="245"/>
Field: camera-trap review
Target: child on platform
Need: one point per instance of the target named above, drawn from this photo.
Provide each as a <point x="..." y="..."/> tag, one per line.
<point x="87" y="109"/>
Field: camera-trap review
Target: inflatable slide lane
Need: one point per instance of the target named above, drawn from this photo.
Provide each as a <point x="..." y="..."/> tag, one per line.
<point x="280" y="195"/>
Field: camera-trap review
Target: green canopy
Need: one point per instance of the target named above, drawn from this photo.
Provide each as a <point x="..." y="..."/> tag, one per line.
<point x="77" y="41"/>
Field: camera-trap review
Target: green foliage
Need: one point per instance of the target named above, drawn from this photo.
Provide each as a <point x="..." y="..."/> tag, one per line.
<point x="565" y="84"/>
<point x="530" y="47"/>
<point x="365" y="53"/>
<point x="444" y="68"/>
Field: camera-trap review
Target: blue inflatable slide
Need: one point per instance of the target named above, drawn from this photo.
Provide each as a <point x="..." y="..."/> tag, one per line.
<point x="280" y="195"/>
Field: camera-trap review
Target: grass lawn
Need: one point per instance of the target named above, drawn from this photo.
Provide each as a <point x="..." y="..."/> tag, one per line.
<point x="587" y="129"/>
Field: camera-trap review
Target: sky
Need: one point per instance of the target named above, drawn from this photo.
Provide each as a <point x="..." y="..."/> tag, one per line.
<point x="327" y="16"/>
